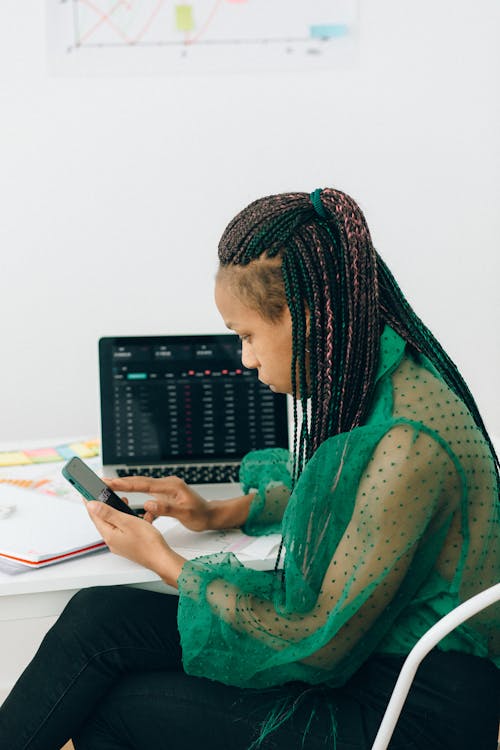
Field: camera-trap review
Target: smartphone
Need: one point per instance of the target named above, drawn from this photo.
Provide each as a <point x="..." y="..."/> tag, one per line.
<point x="91" y="487"/>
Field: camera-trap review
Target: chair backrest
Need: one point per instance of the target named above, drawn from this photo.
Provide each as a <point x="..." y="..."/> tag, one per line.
<point x="426" y="643"/>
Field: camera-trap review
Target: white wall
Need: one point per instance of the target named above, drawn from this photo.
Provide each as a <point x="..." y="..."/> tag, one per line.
<point x="114" y="192"/>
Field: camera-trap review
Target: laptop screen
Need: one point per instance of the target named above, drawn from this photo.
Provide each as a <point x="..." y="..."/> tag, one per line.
<point x="175" y="399"/>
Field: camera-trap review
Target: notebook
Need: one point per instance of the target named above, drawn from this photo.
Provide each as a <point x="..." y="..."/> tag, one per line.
<point x="184" y="405"/>
<point x="38" y="529"/>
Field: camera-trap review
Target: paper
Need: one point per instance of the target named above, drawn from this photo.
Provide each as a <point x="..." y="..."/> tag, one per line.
<point x="43" y="529"/>
<point x="263" y="547"/>
<point x="46" y="479"/>
<point x="147" y="37"/>
<point x="191" y="544"/>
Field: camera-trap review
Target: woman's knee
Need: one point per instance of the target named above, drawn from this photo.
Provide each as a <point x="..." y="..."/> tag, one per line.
<point x="93" y="612"/>
<point x="96" y="604"/>
<point x="109" y="619"/>
<point x="108" y="610"/>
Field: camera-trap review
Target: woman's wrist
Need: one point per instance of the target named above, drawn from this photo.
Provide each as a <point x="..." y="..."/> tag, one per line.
<point x="169" y="569"/>
<point x="229" y="514"/>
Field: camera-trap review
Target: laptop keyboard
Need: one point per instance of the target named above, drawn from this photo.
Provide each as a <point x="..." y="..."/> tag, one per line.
<point x="190" y="473"/>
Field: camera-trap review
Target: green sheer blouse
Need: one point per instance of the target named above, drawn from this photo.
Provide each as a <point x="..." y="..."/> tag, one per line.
<point x="388" y="528"/>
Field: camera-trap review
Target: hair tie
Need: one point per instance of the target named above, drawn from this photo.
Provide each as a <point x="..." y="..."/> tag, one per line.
<point x="316" y="201"/>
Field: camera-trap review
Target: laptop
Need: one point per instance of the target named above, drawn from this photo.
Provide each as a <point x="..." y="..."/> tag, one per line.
<point x="184" y="405"/>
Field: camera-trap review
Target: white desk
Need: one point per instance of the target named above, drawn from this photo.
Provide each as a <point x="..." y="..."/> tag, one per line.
<point x="31" y="601"/>
<point x="44" y="592"/>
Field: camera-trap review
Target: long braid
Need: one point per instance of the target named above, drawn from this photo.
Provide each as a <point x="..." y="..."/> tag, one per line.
<point x="293" y="291"/>
<point x="323" y="313"/>
<point x="397" y="312"/>
<point x="330" y="268"/>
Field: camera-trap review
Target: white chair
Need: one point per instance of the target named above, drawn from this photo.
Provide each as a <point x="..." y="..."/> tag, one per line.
<point x="426" y="643"/>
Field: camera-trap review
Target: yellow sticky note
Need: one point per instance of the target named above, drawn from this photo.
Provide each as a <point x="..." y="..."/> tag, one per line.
<point x="85" y="450"/>
<point x="184" y="20"/>
<point x="14" y="458"/>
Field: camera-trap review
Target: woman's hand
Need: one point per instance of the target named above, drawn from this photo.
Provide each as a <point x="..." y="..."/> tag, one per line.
<point x="141" y="542"/>
<point x="171" y="496"/>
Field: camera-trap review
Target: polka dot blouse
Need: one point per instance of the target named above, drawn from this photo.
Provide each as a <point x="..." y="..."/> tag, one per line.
<point x="388" y="528"/>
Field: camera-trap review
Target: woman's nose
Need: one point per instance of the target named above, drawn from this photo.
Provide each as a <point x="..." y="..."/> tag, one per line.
<point x="248" y="358"/>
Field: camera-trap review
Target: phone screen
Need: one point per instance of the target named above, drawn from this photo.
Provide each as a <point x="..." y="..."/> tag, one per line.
<point x="91" y="486"/>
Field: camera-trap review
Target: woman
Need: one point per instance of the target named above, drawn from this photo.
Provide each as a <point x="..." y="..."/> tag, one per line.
<point x="389" y="514"/>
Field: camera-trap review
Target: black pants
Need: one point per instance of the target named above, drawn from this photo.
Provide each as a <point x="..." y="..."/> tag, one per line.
<point x="109" y="675"/>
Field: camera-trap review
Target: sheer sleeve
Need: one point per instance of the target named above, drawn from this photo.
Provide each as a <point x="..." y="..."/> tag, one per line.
<point x="362" y="530"/>
<point x="267" y="471"/>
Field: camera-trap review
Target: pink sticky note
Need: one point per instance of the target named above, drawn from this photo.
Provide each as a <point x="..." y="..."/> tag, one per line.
<point x="43" y="455"/>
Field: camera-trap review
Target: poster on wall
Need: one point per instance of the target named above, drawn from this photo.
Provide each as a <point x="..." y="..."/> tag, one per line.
<point x="151" y="37"/>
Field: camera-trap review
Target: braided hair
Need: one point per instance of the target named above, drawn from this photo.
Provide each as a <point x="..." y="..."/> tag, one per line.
<point x="315" y="255"/>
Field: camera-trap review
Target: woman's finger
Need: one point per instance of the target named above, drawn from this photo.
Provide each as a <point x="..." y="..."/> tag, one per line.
<point x="165" y="485"/>
<point x="158" y="506"/>
<point x="131" y="484"/>
<point x="149" y="517"/>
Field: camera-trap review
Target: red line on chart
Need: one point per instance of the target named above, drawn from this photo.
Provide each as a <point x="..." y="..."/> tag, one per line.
<point x="106" y="18"/>
<point x="148" y="23"/>
<point x="103" y="19"/>
<point x="196" y="37"/>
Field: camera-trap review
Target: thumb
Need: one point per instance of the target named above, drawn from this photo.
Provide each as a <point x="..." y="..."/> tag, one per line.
<point x="102" y="511"/>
